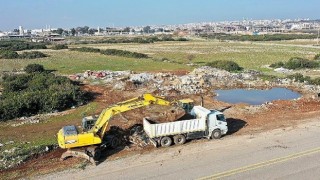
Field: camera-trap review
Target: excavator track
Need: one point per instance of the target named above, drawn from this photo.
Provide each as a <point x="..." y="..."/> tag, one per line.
<point x="91" y="154"/>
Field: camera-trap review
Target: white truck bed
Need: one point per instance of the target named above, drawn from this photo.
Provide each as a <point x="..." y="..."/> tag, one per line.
<point x="173" y="128"/>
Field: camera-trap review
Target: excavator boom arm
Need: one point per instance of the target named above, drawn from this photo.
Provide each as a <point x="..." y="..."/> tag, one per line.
<point x="103" y="119"/>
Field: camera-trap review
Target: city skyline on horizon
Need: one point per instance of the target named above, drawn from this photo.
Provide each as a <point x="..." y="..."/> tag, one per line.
<point x="35" y="14"/>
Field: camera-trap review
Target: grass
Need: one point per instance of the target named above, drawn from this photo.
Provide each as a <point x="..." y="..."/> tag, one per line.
<point x="250" y="55"/>
<point x="29" y="138"/>
<point x="68" y="62"/>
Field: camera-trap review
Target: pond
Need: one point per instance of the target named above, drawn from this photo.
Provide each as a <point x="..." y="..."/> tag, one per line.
<point x="255" y="96"/>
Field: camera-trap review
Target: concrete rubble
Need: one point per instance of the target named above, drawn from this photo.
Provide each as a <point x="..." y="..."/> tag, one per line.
<point x="33" y="119"/>
<point x="282" y="70"/>
<point x="201" y="80"/>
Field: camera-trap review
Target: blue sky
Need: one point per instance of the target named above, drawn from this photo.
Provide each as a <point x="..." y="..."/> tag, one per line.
<point x="73" y="13"/>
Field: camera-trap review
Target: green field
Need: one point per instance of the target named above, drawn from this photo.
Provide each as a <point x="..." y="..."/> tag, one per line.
<point x="250" y="55"/>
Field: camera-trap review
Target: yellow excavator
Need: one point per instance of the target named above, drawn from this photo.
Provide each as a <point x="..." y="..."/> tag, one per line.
<point x="89" y="141"/>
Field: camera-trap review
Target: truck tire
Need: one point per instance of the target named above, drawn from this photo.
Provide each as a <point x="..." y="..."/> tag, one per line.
<point x="115" y="142"/>
<point x="94" y="152"/>
<point x="216" y="134"/>
<point x="179" y="139"/>
<point x="166" y="141"/>
<point x="97" y="154"/>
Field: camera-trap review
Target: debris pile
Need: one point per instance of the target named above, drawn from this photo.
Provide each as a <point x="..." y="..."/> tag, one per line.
<point x="201" y="80"/>
<point x="138" y="137"/>
<point x="105" y="75"/>
<point x="33" y="119"/>
<point x="18" y="154"/>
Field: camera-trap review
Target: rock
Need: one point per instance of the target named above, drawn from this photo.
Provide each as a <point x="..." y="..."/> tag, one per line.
<point x="1" y="145"/>
<point x="282" y="70"/>
<point x="9" y="142"/>
<point x="119" y="86"/>
<point x="141" y="78"/>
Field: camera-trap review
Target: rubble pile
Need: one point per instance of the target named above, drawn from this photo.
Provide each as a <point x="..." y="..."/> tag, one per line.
<point x="138" y="137"/>
<point x="200" y="80"/>
<point x="16" y="155"/>
<point x="105" y="75"/>
<point x="33" y="119"/>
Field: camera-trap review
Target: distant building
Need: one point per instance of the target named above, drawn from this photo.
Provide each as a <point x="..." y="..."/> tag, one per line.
<point x="21" y="31"/>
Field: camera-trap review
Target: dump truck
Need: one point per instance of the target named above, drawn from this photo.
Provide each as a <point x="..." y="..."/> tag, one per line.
<point x="206" y="124"/>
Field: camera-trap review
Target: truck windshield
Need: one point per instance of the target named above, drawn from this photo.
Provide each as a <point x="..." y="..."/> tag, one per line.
<point x="220" y="117"/>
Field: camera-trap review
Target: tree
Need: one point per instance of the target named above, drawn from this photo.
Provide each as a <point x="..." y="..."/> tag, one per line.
<point x="226" y="65"/>
<point x="8" y="54"/>
<point x="160" y="29"/>
<point x="65" y="33"/>
<point x="92" y="31"/>
<point x="59" y="31"/>
<point x="146" y="29"/>
<point x="83" y="30"/>
<point x="127" y="29"/>
<point x="31" y="68"/>
<point x="73" y="31"/>
<point x="86" y="29"/>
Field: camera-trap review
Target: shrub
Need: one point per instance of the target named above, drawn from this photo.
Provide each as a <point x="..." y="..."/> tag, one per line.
<point x="315" y="81"/>
<point x="226" y="65"/>
<point x="86" y="49"/>
<point x="299" y="77"/>
<point x="8" y="54"/>
<point x="32" y="68"/>
<point x="29" y="94"/>
<point x="112" y="52"/>
<point x="277" y="65"/>
<point x="266" y="77"/>
<point x="298" y="63"/>
<point x="21" y="45"/>
<point x="182" y="39"/>
<point x="317" y="57"/>
<point x="116" y="52"/>
<point x="59" y="46"/>
<point x="32" y="55"/>
<point x="167" y="38"/>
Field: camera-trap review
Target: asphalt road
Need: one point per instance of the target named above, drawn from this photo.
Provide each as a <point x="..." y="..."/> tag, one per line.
<point x="292" y="153"/>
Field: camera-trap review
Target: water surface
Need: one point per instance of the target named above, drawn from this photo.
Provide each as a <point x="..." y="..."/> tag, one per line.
<point x="255" y="96"/>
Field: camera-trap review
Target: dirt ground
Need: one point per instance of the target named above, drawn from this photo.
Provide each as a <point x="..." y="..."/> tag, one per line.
<point x="242" y="119"/>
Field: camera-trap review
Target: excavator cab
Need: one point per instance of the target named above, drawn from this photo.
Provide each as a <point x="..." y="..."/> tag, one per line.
<point x="186" y="104"/>
<point x="88" y="122"/>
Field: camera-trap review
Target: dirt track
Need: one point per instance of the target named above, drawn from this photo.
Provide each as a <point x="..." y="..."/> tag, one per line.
<point x="242" y="119"/>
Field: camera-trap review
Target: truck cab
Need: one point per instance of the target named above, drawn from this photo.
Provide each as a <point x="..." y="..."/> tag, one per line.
<point x="216" y="121"/>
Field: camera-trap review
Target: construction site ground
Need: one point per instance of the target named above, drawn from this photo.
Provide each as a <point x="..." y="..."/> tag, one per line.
<point x="242" y="119"/>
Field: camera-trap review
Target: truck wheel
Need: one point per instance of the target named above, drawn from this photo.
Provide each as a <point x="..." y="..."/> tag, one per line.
<point x="179" y="139"/>
<point x="115" y="142"/>
<point x="216" y="134"/>
<point x="166" y="141"/>
<point x="97" y="154"/>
